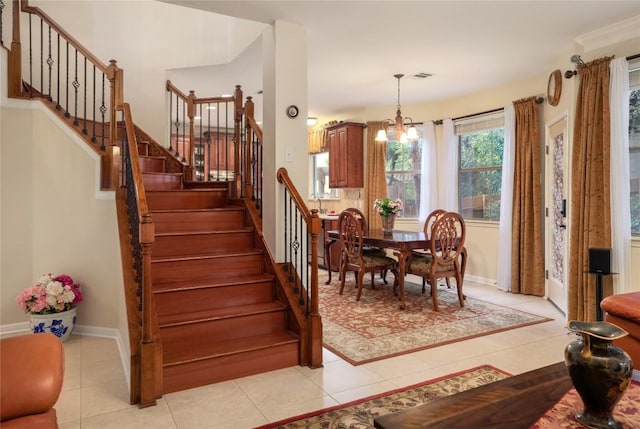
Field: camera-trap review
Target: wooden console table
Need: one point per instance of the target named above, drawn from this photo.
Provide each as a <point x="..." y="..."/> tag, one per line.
<point x="513" y="403"/>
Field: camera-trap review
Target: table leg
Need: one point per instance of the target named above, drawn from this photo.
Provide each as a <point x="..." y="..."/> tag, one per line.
<point x="402" y="258"/>
<point x="327" y="257"/>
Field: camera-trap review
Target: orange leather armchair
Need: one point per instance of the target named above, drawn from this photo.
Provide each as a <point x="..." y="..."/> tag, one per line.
<point x="623" y="310"/>
<point x="31" y="373"/>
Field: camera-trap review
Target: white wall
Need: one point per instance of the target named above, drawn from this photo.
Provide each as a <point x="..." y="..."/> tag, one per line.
<point x="147" y="38"/>
<point x="53" y="218"/>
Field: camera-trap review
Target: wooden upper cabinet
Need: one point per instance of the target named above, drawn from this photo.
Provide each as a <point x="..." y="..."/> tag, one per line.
<point x="346" y="165"/>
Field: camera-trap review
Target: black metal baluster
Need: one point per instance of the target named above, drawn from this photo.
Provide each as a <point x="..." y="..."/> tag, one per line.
<point x="93" y="109"/>
<point x="301" y="266"/>
<point x="58" y="106"/>
<point x="208" y="157"/>
<point x="1" y="21"/>
<point x="66" y="85"/>
<point x="177" y="123"/>
<point x="76" y="85"/>
<point x="50" y="64"/>
<point x="103" y="110"/>
<point x="41" y="89"/>
<point x="30" y="59"/>
<point x="84" y="129"/>
<point x="184" y="131"/>
<point x="170" y="115"/>
<point x="286" y="236"/>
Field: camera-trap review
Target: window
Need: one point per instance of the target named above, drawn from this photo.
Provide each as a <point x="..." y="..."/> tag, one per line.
<point x="634" y="145"/>
<point x="481" y="143"/>
<point x="404" y="172"/>
<point x="320" y="176"/>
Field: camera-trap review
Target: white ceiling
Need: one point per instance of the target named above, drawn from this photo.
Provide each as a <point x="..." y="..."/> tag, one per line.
<point x="355" y="47"/>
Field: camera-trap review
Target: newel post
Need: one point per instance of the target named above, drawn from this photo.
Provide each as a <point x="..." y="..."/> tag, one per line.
<point x="116" y="84"/>
<point x="14" y="75"/>
<point x="191" y="113"/>
<point x="237" y="141"/>
<point x="315" y="321"/>
<point x="148" y="364"/>
<point x="248" y="171"/>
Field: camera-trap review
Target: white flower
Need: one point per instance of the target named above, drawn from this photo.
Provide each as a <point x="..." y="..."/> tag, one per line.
<point x="54" y="288"/>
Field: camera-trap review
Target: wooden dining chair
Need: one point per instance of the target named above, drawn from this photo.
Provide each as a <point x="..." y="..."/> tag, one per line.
<point x="368" y="250"/>
<point x="447" y="256"/>
<point x="428" y="223"/>
<point x="353" y="256"/>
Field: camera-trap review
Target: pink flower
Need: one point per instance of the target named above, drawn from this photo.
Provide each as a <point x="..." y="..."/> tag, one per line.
<point x="50" y="295"/>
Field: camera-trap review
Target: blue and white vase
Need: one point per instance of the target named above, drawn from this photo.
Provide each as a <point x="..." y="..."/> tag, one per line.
<point x="59" y="324"/>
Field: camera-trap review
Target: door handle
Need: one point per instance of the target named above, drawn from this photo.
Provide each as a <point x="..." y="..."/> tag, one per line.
<point x="563" y="226"/>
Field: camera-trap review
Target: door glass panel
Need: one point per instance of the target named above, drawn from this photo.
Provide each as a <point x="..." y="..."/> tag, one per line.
<point x="558" y="224"/>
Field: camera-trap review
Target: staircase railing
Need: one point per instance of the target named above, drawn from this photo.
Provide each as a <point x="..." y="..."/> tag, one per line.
<point x="301" y="228"/>
<point x="251" y="163"/>
<point x="203" y="134"/>
<point x="146" y="349"/>
<point x="62" y="71"/>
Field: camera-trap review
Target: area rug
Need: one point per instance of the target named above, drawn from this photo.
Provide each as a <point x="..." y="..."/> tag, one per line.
<point x="562" y="415"/>
<point x="375" y="328"/>
<point x="360" y="413"/>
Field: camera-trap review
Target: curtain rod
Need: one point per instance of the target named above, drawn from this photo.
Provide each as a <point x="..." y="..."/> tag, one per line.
<point x="632" y="57"/>
<point x="539" y="100"/>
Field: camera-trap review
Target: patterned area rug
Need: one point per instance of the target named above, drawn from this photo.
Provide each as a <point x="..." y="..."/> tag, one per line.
<point x="375" y="328"/>
<point x="360" y="413"/>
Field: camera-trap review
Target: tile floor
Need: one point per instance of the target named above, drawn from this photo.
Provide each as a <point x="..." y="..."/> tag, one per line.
<point x="95" y="393"/>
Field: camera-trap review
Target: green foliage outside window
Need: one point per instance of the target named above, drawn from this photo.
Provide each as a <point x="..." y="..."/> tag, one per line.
<point x="480" y="174"/>
<point x="404" y="170"/>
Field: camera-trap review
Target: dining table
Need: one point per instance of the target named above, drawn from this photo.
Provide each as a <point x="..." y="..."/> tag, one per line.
<point x="400" y="242"/>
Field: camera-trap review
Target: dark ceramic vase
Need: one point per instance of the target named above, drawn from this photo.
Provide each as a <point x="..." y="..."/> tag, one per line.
<point x="600" y="371"/>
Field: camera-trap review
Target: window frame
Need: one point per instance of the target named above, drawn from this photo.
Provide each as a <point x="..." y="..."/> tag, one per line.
<point x="477" y="124"/>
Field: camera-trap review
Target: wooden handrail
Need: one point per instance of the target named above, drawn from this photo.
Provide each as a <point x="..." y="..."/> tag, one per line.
<point x="149" y="372"/>
<point x="283" y="177"/>
<point x="85" y="52"/>
<point x="312" y="341"/>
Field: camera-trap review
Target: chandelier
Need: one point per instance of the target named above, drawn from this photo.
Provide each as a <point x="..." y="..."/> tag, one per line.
<point x="402" y="135"/>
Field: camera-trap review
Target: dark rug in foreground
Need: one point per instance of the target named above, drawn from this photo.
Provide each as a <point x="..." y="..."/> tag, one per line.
<point x="360" y="414"/>
<point x="375" y="328"/>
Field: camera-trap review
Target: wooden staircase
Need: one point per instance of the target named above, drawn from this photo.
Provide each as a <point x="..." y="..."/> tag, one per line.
<point x="218" y="313"/>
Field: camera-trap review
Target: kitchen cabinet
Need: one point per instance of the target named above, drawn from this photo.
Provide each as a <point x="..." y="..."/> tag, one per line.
<point x="346" y="165"/>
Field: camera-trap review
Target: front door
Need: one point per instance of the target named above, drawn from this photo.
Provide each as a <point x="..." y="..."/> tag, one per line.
<point x="556" y="238"/>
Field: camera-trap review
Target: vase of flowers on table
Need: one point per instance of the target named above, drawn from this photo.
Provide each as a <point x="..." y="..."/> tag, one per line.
<point x="388" y="209"/>
<point x="51" y="303"/>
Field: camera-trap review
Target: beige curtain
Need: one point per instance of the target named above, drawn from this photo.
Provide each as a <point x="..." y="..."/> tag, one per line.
<point x="527" y="257"/>
<point x="590" y="186"/>
<point x="316" y="140"/>
<point x="376" y="182"/>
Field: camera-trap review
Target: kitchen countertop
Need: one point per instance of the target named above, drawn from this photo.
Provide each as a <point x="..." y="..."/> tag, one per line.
<point x="329" y="216"/>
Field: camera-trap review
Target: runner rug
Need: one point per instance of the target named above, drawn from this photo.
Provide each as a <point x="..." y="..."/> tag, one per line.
<point x="375" y="328"/>
<point x="360" y="413"/>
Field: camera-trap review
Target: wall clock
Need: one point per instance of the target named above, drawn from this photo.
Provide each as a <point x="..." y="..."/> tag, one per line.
<point x="554" y="87"/>
<point x="292" y="111"/>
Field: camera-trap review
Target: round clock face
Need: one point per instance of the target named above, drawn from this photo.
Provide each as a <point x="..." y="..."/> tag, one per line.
<point x="292" y="111"/>
<point x="554" y="87"/>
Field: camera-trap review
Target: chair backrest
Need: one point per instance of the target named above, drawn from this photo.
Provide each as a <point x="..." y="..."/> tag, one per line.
<point x="433" y="216"/>
<point x="350" y="228"/>
<point x="447" y="238"/>
<point x="360" y="215"/>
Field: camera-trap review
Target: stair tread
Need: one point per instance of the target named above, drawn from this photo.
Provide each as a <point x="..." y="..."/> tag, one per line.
<point x="205" y="232"/>
<point x="203" y="351"/>
<point x="151" y="156"/>
<point x="184" y="318"/>
<point x="227" y="281"/>
<point x="161" y="173"/>
<point x="210" y="209"/>
<point x="209" y="255"/>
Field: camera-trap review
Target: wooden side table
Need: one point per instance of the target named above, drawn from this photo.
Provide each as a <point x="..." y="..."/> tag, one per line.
<point x="513" y="403"/>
